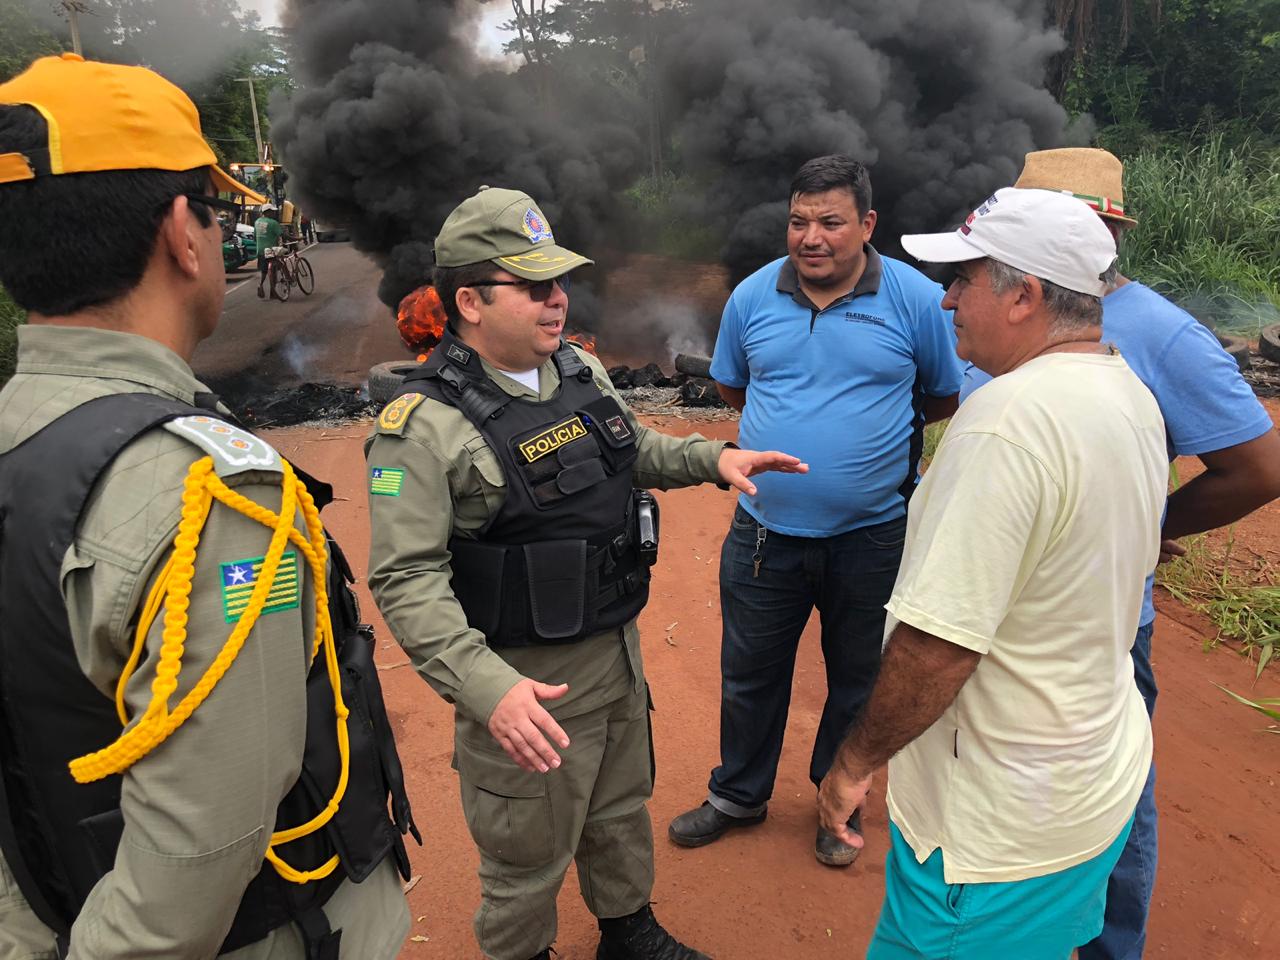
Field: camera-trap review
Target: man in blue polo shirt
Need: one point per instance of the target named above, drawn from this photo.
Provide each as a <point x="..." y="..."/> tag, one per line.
<point x="844" y="355"/>
<point x="1210" y="413"/>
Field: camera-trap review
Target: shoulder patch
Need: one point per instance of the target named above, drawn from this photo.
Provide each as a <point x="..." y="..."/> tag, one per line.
<point x="233" y="450"/>
<point x="395" y="414"/>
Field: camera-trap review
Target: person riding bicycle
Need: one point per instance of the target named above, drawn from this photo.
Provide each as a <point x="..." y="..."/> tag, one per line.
<point x="266" y="234"/>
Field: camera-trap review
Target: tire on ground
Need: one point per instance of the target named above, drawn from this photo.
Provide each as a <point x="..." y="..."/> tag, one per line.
<point x="385" y="379"/>
<point x="1269" y="343"/>
<point x="1238" y="347"/>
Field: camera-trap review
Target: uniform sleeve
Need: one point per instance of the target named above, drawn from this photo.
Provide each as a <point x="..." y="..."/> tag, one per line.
<point x="971" y="547"/>
<point x="664" y="462"/>
<point x="729" y="359"/>
<point x="199" y="809"/>
<point x="1206" y="403"/>
<point x="409" y="575"/>
<point x="941" y="371"/>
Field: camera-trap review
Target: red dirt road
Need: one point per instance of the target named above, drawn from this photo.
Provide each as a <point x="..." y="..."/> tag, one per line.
<point x="760" y="893"/>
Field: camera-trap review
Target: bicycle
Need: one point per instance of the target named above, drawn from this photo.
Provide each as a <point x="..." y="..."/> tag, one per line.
<point x="288" y="268"/>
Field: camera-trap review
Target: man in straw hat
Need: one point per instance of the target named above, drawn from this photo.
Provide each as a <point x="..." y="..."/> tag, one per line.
<point x="1209" y="412"/>
<point x="1006" y="681"/>
<point x="168" y="744"/>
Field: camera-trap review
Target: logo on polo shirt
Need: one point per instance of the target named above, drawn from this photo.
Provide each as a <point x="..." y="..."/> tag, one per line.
<point x="853" y="316"/>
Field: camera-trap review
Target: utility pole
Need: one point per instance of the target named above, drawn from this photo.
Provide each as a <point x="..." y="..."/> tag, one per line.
<point x="253" y="102"/>
<point x="73" y="9"/>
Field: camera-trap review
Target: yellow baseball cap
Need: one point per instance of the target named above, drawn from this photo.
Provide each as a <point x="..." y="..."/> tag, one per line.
<point x="105" y="116"/>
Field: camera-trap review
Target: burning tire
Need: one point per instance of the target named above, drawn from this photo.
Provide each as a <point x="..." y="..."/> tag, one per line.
<point x="1269" y="343"/>
<point x="385" y="379"/>
<point x="1238" y="347"/>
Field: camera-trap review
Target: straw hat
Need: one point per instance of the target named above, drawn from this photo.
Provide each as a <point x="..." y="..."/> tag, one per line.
<point x="1094" y="176"/>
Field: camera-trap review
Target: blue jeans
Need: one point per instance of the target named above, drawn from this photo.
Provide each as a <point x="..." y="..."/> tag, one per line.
<point x="1124" y="932"/>
<point x="848" y="578"/>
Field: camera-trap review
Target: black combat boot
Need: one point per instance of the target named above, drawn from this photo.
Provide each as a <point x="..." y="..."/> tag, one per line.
<point x="639" y="936"/>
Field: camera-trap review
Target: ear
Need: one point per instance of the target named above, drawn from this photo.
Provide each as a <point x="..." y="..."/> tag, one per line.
<point x="468" y="302"/>
<point x="868" y="226"/>
<point x="1028" y="301"/>
<point x="181" y="237"/>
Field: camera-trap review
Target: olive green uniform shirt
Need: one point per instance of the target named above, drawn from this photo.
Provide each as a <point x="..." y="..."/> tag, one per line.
<point x="453" y="483"/>
<point x="199" y="809"/>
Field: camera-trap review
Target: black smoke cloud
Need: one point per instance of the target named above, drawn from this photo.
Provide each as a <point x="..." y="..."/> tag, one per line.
<point x="941" y="98"/>
<point x="396" y="119"/>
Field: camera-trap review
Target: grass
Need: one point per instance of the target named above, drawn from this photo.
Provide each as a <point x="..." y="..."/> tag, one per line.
<point x="11" y="316"/>
<point x="1209" y="234"/>
<point x="1264" y="706"/>
<point x="1243" y="606"/>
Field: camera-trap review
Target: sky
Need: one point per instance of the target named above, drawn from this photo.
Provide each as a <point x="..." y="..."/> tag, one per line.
<point x="490" y="38"/>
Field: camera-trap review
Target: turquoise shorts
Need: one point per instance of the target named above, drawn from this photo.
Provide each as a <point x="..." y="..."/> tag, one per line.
<point x="1042" y="918"/>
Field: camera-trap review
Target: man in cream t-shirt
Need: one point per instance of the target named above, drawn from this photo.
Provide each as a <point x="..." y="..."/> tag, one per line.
<point x="1007" y="683"/>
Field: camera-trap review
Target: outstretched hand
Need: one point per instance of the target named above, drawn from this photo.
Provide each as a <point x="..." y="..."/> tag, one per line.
<point x="519" y="721"/>
<point x="736" y="465"/>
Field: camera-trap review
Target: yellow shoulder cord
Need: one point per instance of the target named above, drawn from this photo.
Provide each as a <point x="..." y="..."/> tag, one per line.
<point x="173" y="586"/>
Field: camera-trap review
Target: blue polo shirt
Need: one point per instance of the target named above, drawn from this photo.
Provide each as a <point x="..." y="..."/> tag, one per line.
<point x="841" y="388"/>
<point x="1205" y="403"/>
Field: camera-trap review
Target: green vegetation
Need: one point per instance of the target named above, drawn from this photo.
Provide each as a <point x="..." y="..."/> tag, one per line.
<point x="11" y="316"/>
<point x="1209" y="231"/>
<point x="1239" y="599"/>
<point x="1264" y="706"/>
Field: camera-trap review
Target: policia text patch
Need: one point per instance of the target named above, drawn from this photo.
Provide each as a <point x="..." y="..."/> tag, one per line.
<point x="552" y="439"/>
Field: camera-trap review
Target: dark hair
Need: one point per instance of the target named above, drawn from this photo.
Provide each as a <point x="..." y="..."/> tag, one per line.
<point x="78" y="240"/>
<point x="836" y="172"/>
<point x="448" y="280"/>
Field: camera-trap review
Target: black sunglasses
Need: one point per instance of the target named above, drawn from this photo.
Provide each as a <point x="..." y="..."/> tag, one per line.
<point x="226" y="206"/>
<point x="539" y="290"/>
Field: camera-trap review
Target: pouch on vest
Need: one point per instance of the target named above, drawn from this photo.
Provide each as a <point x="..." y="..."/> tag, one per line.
<point x="557" y="574"/>
<point x="478" y="572"/>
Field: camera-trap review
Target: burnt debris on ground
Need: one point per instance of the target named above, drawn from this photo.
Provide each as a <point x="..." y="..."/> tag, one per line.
<point x="263" y="402"/>
<point x="648" y="389"/>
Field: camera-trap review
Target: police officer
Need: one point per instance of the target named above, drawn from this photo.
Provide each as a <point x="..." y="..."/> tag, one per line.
<point x="510" y="557"/>
<point x="178" y="721"/>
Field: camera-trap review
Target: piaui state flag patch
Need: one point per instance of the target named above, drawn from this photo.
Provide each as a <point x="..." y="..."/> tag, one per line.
<point x="386" y="481"/>
<point x="239" y="579"/>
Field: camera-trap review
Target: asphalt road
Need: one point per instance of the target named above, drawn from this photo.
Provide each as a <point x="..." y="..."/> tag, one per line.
<point x="332" y="336"/>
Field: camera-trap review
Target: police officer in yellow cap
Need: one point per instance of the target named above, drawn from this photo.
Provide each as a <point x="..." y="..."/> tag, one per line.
<point x="510" y="557"/>
<point x="194" y="754"/>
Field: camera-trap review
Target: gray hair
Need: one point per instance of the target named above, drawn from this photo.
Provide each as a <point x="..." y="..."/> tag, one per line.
<point x="1071" y="311"/>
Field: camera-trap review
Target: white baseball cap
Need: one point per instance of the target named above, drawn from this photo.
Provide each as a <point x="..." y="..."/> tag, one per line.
<point x="1046" y="234"/>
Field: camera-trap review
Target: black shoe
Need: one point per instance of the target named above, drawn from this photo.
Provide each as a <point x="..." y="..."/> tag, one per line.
<point x="706" y="824"/>
<point x="544" y="955"/>
<point x="640" y="937"/>
<point x="833" y="851"/>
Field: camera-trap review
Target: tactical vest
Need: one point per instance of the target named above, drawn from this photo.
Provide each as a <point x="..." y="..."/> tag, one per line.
<point x="560" y="561"/>
<point x="60" y="837"/>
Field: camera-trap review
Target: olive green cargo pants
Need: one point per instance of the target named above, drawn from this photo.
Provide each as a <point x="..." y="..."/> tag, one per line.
<point x="528" y="826"/>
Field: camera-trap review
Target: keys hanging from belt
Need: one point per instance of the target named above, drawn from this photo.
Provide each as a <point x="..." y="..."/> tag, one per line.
<point x="758" y="557"/>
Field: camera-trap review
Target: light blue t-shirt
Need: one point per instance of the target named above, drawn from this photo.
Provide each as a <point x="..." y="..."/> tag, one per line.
<point x="842" y="388"/>
<point x="1206" y="404"/>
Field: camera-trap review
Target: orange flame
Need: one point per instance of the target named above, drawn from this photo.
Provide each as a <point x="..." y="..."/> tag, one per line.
<point x="420" y="320"/>
<point x="585" y="340"/>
